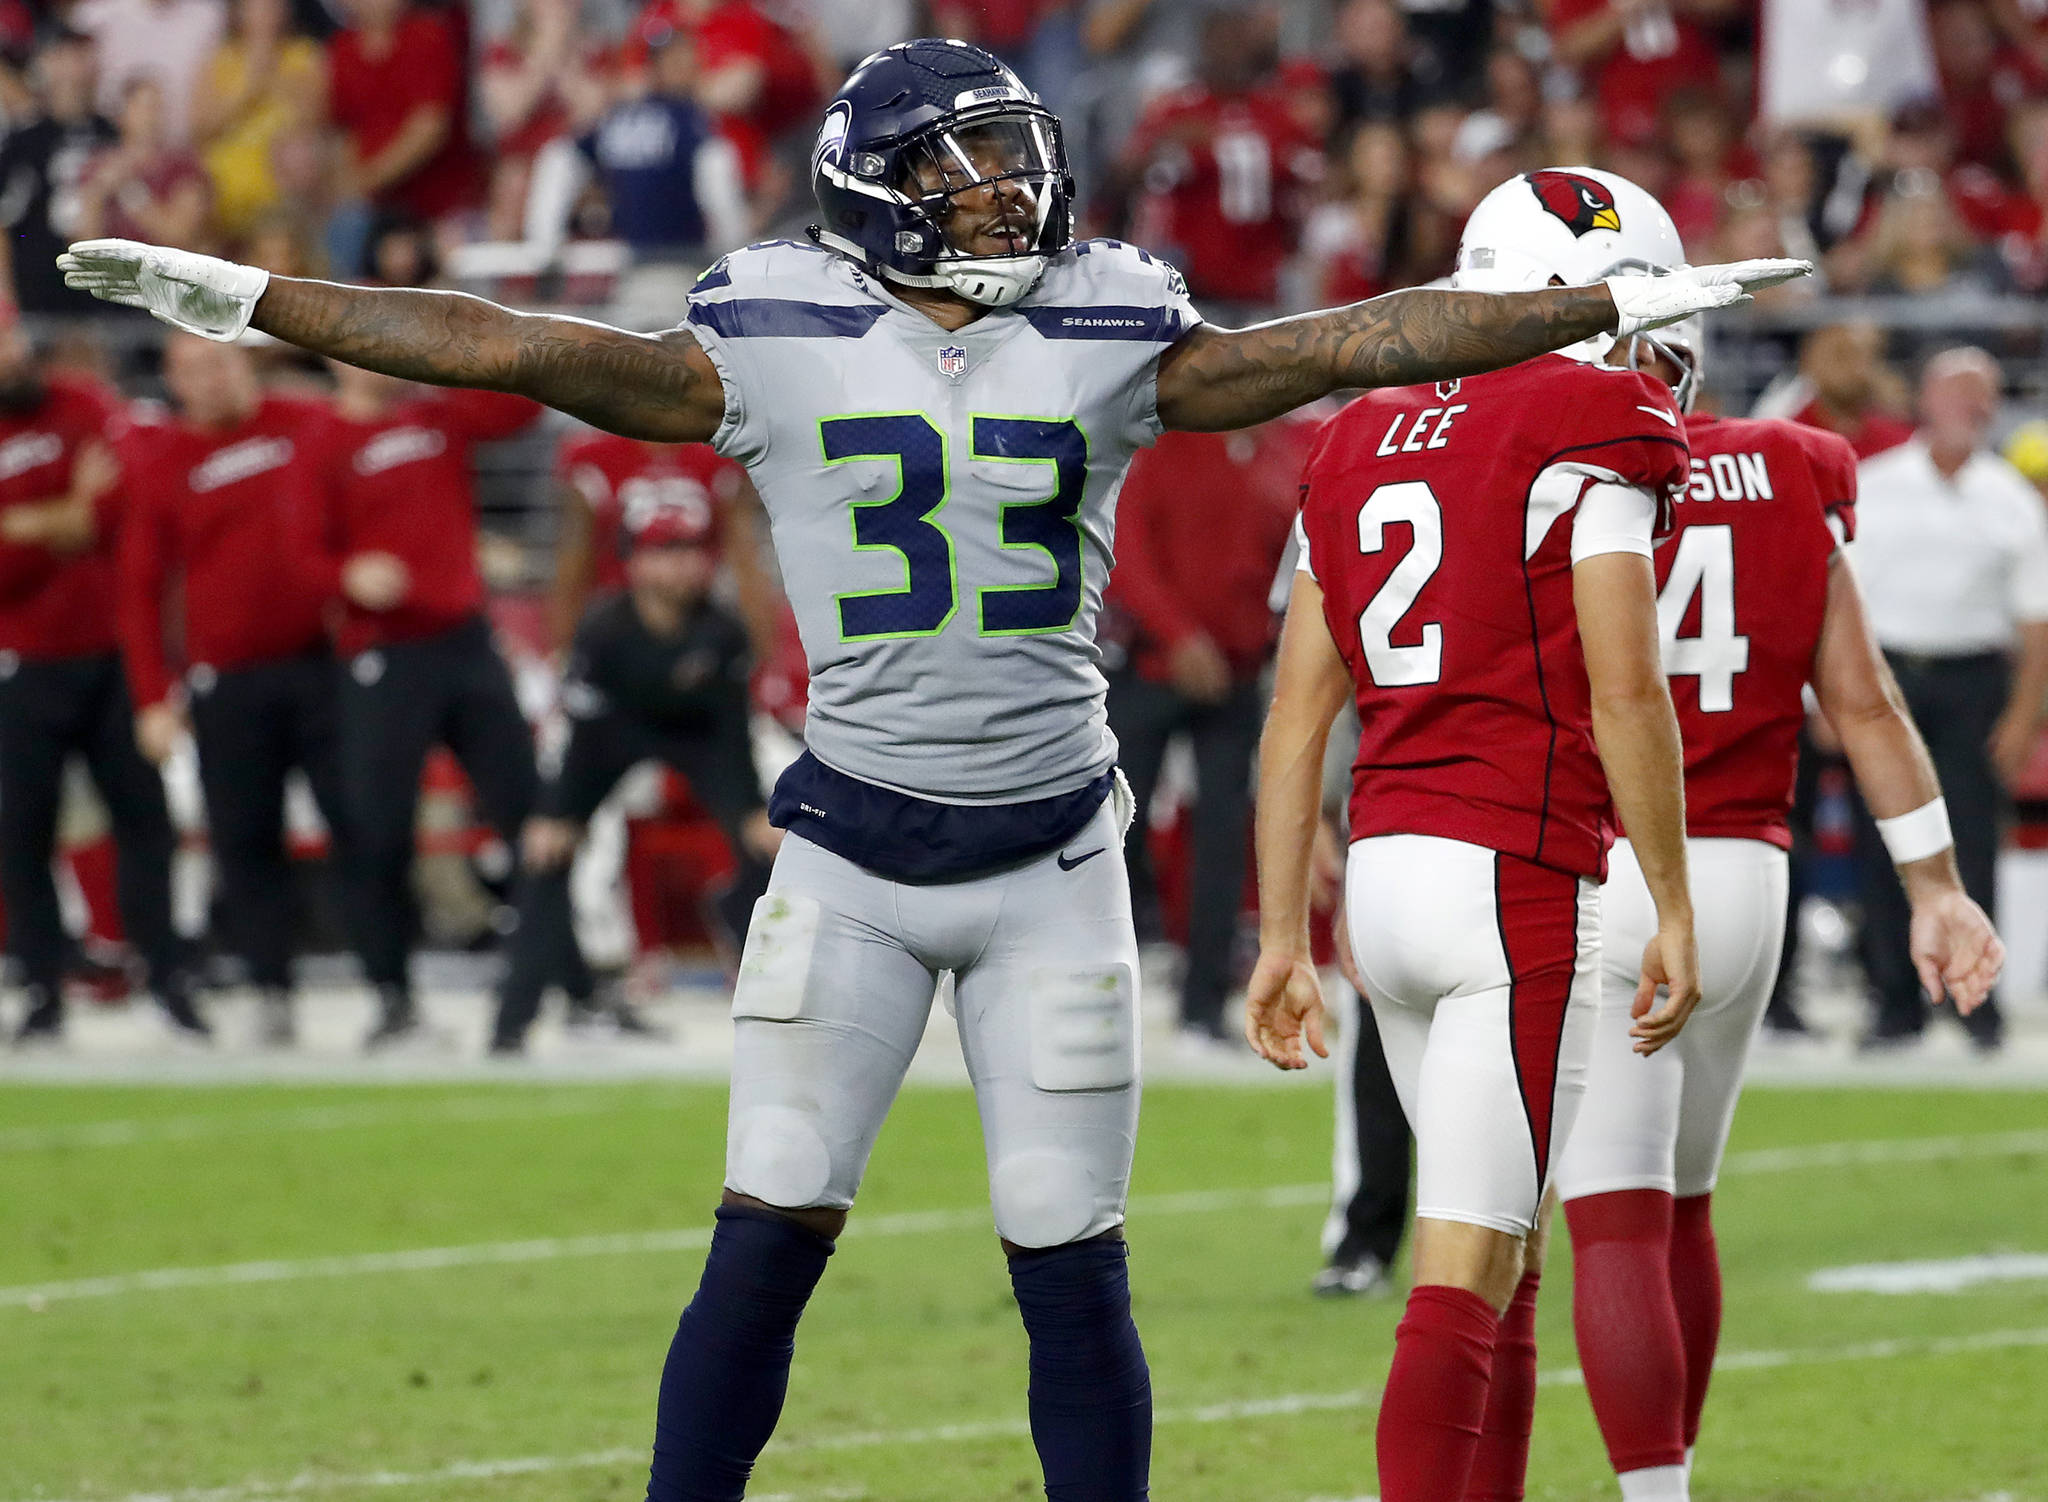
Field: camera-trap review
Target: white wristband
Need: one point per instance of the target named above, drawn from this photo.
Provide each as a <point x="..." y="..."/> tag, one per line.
<point x="1919" y="834"/>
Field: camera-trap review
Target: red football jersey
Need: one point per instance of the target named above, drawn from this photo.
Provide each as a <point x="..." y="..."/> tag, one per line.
<point x="52" y="605"/>
<point x="232" y="512"/>
<point x="401" y="485"/>
<point x="612" y="474"/>
<point x="1440" y="524"/>
<point x="1224" y="182"/>
<point x="1741" y="591"/>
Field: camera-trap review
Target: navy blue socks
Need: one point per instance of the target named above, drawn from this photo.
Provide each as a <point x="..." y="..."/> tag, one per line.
<point x="1091" y="1392"/>
<point x="728" y="1367"/>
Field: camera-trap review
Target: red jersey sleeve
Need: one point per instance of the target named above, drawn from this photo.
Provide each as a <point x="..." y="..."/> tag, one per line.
<point x="481" y="416"/>
<point x="1629" y="426"/>
<point x="1834" y="475"/>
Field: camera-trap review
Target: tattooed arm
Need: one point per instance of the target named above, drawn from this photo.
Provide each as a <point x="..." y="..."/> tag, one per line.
<point x="659" y="387"/>
<point x="1233" y="378"/>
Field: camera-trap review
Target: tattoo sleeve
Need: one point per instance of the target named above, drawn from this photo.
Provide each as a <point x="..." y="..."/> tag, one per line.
<point x="1232" y="378"/>
<point x="659" y="387"/>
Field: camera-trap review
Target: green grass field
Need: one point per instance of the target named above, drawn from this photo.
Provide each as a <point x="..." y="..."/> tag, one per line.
<point x="522" y="1366"/>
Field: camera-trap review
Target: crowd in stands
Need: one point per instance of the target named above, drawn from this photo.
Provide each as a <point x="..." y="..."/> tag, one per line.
<point x="1283" y="152"/>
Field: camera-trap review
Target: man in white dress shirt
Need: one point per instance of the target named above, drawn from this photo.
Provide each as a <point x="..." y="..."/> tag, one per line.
<point x="1952" y="552"/>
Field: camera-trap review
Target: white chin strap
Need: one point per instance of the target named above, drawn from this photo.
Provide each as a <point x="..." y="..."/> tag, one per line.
<point x="992" y="281"/>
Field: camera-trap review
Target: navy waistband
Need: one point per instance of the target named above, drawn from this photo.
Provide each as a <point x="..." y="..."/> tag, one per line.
<point x="916" y="840"/>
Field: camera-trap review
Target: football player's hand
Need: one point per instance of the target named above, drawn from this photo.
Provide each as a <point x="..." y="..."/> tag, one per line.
<point x="1955" y="949"/>
<point x="1200" y="670"/>
<point x="546" y="844"/>
<point x="761" y="838"/>
<point x="202" y="295"/>
<point x="1649" y="302"/>
<point x="158" y="729"/>
<point x="2012" y="743"/>
<point x="1284" y="1006"/>
<point x="376" y="581"/>
<point x="1671" y="964"/>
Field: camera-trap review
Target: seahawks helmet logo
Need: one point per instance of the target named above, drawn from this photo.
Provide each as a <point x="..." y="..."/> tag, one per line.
<point x="1580" y="202"/>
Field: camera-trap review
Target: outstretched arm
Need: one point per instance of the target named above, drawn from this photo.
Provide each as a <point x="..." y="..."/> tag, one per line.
<point x="1234" y="378"/>
<point x="660" y="387"/>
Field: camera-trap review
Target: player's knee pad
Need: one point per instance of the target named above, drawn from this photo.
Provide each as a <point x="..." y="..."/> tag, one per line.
<point x="1044" y="1198"/>
<point x="778" y="1156"/>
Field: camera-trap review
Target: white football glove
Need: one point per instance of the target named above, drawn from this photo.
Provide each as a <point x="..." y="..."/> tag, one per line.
<point x="1649" y="302"/>
<point x="200" y="294"/>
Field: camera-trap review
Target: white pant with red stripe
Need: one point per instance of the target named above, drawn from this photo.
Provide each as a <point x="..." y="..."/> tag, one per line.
<point x="1662" y="1122"/>
<point x="1482" y="969"/>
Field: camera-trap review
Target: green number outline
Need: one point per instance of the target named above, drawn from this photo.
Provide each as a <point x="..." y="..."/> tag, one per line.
<point x="1002" y="511"/>
<point x="929" y="519"/>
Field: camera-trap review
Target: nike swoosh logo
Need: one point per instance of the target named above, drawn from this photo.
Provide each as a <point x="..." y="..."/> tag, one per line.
<point x="1660" y="414"/>
<point x="1086" y="855"/>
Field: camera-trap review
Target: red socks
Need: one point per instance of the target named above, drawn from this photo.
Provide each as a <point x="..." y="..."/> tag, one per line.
<point x="1500" y="1467"/>
<point x="1631" y="1344"/>
<point x="1435" y="1401"/>
<point x="1696" y="1289"/>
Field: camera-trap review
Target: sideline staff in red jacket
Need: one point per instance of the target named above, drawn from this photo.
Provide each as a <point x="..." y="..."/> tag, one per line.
<point x="420" y="669"/>
<point x="225" y="498"/>
<point x="60" y="687"/>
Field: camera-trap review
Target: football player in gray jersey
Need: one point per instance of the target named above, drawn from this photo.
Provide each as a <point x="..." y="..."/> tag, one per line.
<point x="937" y="395"/>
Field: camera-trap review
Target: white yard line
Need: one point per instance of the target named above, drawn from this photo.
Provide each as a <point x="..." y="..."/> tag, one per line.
<point x="914" y="1223"/>
<point x="1943" y="1275"/>
<point x="505" y="1105"/>
<point x="39" y="1296"/>
<point x="1280" y="1405"/>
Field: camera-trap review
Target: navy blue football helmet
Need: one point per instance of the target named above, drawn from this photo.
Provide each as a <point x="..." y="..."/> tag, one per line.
<point x="918" y="124"/>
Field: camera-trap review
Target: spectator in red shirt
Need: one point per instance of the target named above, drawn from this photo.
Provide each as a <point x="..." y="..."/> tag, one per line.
<point x="398" y="543"/>
<point x="1851" y="391"/>
<point x="1223" y="171"/>
<point x="143" y="188"/>
<point x="61" y="693"/>
<point x="221" y="503"/>
<point x="1636" y="52"/>
<point x="1981" y="80"/>
<point x="396" y="90"/>
<point x="1201" y="524"/>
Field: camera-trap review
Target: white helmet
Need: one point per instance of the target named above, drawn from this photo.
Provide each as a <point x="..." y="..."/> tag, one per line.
<point x="1575" y="225"/>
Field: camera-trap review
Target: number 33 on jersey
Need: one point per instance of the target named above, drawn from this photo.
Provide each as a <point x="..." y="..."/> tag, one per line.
<point x="1442" y="525"/>
<point x="942" y="503"/>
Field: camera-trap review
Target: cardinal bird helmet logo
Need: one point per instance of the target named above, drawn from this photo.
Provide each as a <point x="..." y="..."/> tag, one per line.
<point x="1580" y="202"/>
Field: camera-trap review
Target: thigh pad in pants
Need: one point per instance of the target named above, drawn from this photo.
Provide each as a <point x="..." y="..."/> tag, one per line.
<point x="1482" y="973"/>
<point x="1048" y="1017"/>
<point x="829" y="1010"/>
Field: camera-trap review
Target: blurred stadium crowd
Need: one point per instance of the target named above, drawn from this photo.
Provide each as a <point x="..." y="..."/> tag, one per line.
<point x="1283" y="153"/>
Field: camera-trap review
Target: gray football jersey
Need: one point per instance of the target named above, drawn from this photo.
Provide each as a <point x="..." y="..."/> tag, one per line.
<point x="943" y="504"/>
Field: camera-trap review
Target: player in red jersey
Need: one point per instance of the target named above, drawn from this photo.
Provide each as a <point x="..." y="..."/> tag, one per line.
<point x="398" y="533"/>
<point x="600" y="477"/>
<point x="1477" y="563"/>
<point x="1755" y="603"/>
<point x="61" y="693"/>
<point x="221" y="507"/>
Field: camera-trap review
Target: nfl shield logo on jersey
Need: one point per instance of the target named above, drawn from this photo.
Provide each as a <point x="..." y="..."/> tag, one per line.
<point x="953" y="362"/>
